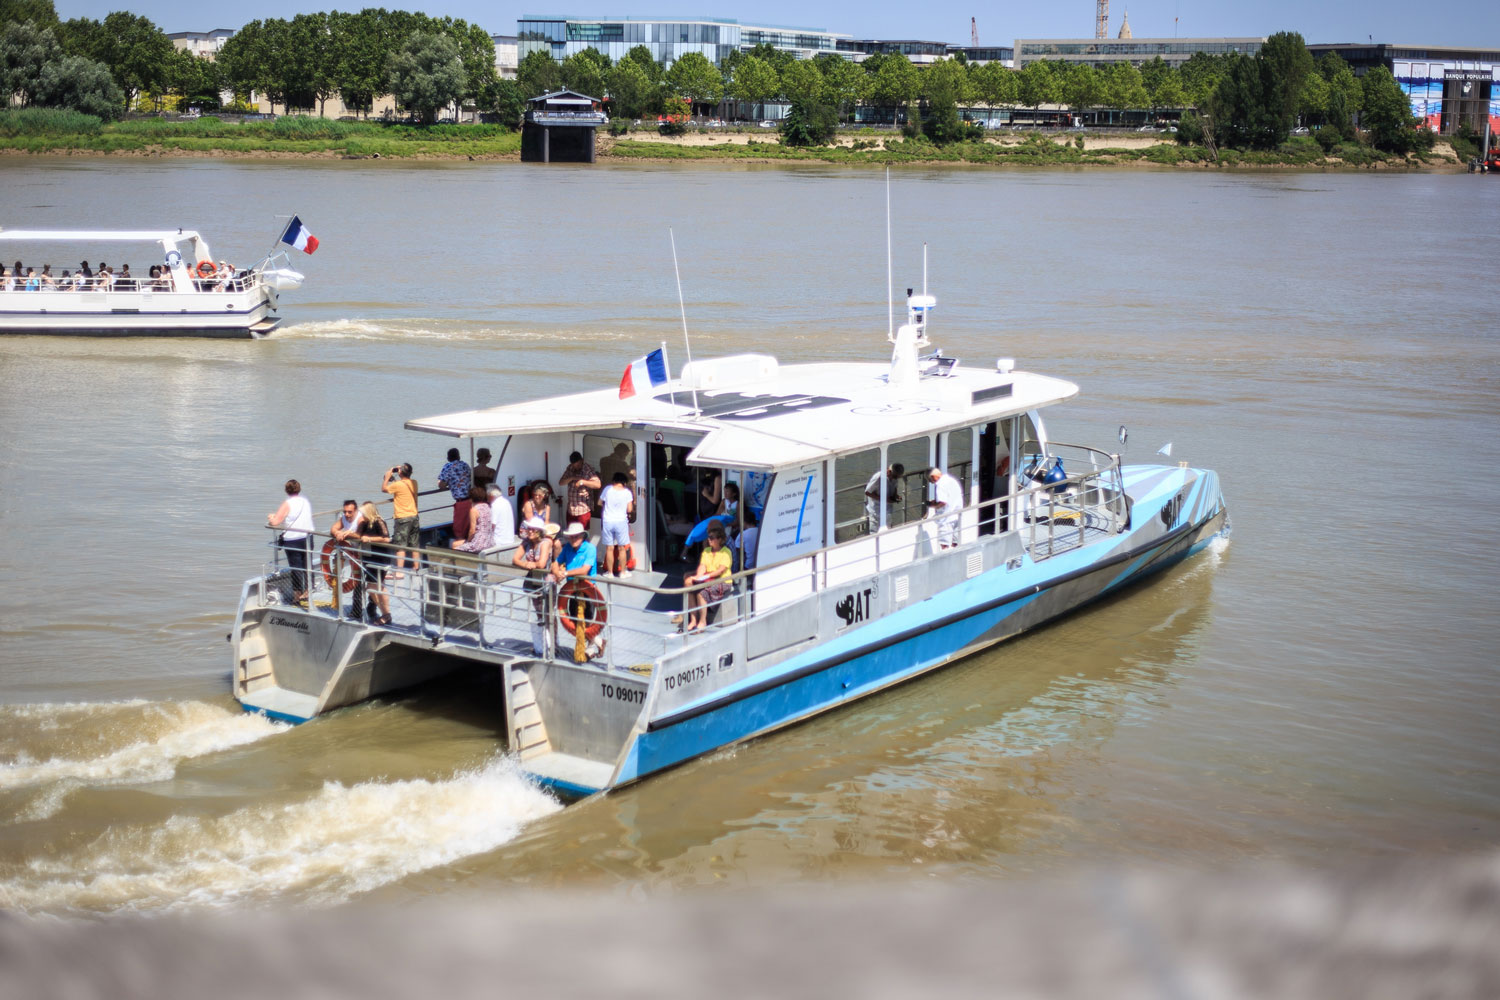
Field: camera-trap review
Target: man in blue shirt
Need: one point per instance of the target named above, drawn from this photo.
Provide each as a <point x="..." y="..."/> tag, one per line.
<point x="458" y="477"/>
<point x="577" y="555"/>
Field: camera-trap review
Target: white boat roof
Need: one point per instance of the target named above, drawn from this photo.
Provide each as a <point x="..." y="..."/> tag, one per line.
<point x="101" y="235"/>
<point x="797" y="414"/>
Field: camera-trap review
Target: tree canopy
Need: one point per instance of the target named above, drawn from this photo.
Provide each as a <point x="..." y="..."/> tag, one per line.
<point x="427" y="74"/>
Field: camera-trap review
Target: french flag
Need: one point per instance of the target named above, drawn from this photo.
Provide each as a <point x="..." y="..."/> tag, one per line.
<point x="644" y="374"/>
<point x="299" y="236"/>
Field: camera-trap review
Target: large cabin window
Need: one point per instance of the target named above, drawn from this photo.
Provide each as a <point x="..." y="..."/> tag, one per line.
<point x="960" y="458"/>
<point x="915" y="456"/>
<point x="852" y="473"/>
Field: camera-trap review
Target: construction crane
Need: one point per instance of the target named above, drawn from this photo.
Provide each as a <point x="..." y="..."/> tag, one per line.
<point x="1101" y="20"/>
<point x="974" y="32"/>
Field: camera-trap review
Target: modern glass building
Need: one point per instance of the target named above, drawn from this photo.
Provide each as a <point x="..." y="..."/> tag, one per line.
<point x="668" y="41"/>
<point x="1100" y="52"/>
<point x="1446" y="86"/>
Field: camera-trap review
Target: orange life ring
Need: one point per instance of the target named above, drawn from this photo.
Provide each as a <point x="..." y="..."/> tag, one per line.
<point x="593" y="614"/>
<point x="206" y="269"/>
<point x="325" y="564"/>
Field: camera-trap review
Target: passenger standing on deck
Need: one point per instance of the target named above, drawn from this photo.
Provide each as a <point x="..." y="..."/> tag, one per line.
<point x="950" y="500"/>
<point x="581" y="482"/>
<point x="347" y="524"/>
<point x="295" y="517"/>
<point x="458" y="478"/>
<point x="480" y="531"/>
<point x="892" y="497"/>
<point x="618" y="501"/>
<point x="375" y="557"/>
<point x="534" y="555"/>
<point x="408" y="530"/>
<point x="501" y="514"/>
<point x="483" y="474"/>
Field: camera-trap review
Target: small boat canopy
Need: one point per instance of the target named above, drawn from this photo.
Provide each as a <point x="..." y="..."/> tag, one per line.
<point x="780" y="417"/>
<point x="173" y="236"/>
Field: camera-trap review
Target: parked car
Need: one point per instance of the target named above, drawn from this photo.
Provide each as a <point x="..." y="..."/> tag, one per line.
<point x="768" y="124"/>
<point x="1148" y="128"/>
<point x="1300" y="130"/>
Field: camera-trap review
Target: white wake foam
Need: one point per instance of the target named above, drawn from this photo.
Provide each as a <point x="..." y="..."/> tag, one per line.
<point x="117" y="743"/>
<point x="341" y="841"/>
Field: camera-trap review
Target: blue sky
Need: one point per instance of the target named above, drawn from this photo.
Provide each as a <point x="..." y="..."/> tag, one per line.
<point x="1474" y="23"/>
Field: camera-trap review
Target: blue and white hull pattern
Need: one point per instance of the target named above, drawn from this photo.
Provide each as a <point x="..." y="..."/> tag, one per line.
<point x="1175" y="513"/>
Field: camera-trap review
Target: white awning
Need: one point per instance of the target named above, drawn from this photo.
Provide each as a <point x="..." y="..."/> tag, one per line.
<point x="100" y="235"/>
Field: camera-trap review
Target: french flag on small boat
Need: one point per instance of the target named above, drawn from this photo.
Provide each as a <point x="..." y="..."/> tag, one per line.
<point x="299" y="236"/>
<point x="644" y="373"/>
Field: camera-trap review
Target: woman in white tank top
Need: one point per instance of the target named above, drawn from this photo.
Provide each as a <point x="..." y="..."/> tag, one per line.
<point x="296" y="518"/>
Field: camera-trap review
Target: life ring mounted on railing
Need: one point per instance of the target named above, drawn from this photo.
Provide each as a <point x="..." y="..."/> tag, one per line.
<point x="325" y="563"/>
<point x="580" y="603"/>
<point x="206" y="269"/>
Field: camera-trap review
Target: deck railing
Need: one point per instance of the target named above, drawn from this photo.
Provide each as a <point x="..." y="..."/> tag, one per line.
<point x="483" y="600"/>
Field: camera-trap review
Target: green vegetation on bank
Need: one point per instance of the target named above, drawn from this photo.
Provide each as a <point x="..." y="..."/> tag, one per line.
<point x="1035" y="150"/>
<point x="42" y="130"/>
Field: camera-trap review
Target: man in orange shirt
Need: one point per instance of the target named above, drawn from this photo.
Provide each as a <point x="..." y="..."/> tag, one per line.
<point x="407" y="531"/>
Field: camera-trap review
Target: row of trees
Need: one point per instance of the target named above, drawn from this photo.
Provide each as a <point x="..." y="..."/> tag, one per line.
<point x="1256" y="101"/>
<point x="99" y="67"/>
<point x="1251" y="102"/>
<point x="426" y="63"/>
<point x="105" y="67"/>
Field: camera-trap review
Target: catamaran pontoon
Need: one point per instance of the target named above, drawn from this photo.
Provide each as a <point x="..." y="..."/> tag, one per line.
<point x="193" y="297"/>
<point x="851" y="588"/>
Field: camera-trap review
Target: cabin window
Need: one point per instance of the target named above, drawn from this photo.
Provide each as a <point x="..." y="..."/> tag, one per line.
<point x="852" y="473"/>
<point x="915" y="455"/>
<point x="960" y="458"/>
<point x="610" y="455"/>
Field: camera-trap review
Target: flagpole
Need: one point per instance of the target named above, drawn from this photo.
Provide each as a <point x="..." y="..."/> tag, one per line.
<point x="267" y="258"/>
<point x="667" y="364"/>
<point x="683" y="306"/>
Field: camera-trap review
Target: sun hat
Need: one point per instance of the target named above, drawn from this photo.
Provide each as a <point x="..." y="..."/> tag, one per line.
<point x="533" y="524"/>
<point x="574" y="528"/>
<point x="551" y="529"/>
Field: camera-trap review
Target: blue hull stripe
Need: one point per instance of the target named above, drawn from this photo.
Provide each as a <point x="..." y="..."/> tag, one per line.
<point x="833" y="680"/>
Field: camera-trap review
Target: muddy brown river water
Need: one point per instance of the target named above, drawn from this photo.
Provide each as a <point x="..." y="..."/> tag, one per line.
<point x="1324" y="686"/>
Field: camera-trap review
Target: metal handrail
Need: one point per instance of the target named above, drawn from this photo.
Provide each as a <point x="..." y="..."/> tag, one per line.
<point x="1049" y="489"/>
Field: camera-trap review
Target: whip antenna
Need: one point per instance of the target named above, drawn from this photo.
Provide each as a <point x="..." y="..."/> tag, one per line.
<point x="890" y="288"/>
<point x="681" y="305"/>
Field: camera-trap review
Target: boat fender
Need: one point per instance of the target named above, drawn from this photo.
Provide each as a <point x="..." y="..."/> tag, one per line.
<point x="325" y="564"/>
<point x="206" y="269"/>
<point x="580" y="604"/>
<point x="1047" y="475"/>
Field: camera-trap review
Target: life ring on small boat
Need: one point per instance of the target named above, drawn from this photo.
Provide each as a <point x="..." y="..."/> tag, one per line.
<point x="591" y="615"/>
<point x="325" y="563"/>
<point x="206" y="269"/>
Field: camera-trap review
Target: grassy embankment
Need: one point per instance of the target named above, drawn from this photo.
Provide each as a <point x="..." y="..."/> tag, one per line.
<point x="1033" y="149"/>
<point x="36" y="130"/>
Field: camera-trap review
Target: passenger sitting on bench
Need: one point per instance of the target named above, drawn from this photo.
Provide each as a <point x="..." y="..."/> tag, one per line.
<point x="714" y="569"/>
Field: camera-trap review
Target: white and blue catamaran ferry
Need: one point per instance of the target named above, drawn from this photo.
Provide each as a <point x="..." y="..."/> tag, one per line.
<point x="852" y="581"/>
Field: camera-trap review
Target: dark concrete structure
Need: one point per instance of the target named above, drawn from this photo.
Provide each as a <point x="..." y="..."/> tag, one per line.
<point x="560" y="126"/>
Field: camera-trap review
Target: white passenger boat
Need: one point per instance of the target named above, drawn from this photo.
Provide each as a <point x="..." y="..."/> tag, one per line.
<point x="855" y="585"/>
<point x="192" y="296"/>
